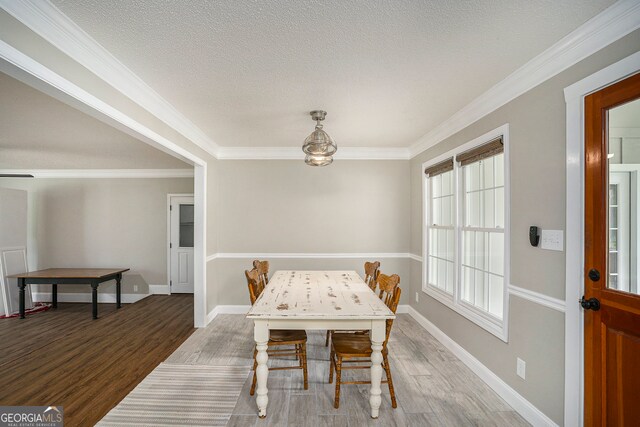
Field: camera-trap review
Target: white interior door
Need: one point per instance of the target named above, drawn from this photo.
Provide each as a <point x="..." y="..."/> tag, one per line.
<point x="181" y="210"/>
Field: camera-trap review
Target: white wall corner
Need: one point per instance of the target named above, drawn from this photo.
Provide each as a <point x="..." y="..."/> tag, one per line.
<point x="521" y="405"/>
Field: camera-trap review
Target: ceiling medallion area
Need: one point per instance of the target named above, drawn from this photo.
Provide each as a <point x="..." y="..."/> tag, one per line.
<point x="319" y="147"/>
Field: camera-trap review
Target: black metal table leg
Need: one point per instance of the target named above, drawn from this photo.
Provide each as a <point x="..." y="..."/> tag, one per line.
<point x="94" y="298"/>
<point x="118" y="290"/>
<point x="54" y="295"/>
<point x="22" y="283"/>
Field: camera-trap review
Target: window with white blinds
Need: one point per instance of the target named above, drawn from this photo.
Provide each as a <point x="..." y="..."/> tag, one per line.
<point x="465" y="255"/>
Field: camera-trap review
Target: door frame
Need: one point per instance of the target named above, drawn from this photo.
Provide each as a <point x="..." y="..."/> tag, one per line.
<point x="169" y="196"/>
<point x="574" y="316"/>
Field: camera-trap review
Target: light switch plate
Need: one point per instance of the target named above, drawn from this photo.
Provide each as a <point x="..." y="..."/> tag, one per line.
<point x="417" y="297"/>
<point x="552" y="240"/>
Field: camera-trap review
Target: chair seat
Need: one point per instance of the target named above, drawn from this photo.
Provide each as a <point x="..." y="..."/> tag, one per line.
<point x="348" y="344"/>
<point x="283" y="335"/>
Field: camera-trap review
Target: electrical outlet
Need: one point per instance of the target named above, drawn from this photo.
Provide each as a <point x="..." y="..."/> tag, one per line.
<point x="417" y="297"/>
<point x="135" y="288"/>
<point x="521" y="367"/>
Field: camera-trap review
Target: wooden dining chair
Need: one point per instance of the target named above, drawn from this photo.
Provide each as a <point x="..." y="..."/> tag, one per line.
<point x="349" y="348"/>
<point x="371" y="271"/>
<point x="278" y="338"/>
<point x="387" y="286"/>
<point x="263" y="271"/>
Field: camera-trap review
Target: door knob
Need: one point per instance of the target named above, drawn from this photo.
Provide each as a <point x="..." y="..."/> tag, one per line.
<point x="590" y="304"/>
<point x="594" y="275"/>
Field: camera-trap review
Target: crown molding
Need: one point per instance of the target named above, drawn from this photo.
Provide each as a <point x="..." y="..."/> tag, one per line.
<point x="295" y="153"/>
<point x="46" y="20"/>
<point x="613" y="23"/>
<point x="102" y="173"/>
<point x="31" y="72"/>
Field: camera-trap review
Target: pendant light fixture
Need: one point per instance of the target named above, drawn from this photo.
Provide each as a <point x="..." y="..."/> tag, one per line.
<point x="319" y="147"/>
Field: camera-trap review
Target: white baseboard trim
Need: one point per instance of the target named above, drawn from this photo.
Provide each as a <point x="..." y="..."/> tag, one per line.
<point x="521" y="405"/>
<point x="159" y="290"/>
<point x="227" y="309"/>
<point x="403" y="309"/>
<point x="86" y="297"/>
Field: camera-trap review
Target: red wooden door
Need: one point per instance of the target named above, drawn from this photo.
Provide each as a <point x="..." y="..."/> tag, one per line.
<point x="612" y="331"/>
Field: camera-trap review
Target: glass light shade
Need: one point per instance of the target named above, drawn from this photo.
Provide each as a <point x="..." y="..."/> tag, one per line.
<point x="319" y="143"/>
<point x="313" y="160"/>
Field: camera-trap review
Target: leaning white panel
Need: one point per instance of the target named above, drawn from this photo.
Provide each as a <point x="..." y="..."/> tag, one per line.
<point x="13" y="261"/>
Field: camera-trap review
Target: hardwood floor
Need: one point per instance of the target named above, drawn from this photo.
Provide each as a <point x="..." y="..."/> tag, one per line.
<point x="64" y="357"/>
<point x="432" y="386"/>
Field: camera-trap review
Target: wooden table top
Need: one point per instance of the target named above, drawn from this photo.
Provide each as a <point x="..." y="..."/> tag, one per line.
<point x="317" y="295"/>
<point x="70" y="273"/>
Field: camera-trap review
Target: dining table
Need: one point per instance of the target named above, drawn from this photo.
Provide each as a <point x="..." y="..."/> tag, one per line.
<point x="318" y="300"/>
<point x="70" y="276"/>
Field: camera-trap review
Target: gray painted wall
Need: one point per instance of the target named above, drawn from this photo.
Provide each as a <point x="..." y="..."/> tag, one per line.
<point x="100" y="223"/>
<point x="285" y="206"/>
<point x="13" y="217"/>
<point x="538" y="169"/>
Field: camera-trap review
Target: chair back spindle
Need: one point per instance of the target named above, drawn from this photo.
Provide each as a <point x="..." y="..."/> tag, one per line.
<point x="254" y="284"/>
<point x="371" y="271"/>
<point x="263" y="271"/>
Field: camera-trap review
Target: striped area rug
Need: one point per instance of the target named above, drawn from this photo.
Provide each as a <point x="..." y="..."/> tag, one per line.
<point x="181" y="395"/>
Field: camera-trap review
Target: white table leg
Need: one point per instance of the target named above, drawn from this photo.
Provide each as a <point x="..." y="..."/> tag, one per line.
<point x="261" y="336"/>
<point x="377" y="339"/>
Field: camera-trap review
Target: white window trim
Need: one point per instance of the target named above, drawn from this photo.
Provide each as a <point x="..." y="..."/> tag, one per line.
<point x="499" y="328"/>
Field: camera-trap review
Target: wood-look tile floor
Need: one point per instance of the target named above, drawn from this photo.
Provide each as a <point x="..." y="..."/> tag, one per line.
<point x="432" y="386"/>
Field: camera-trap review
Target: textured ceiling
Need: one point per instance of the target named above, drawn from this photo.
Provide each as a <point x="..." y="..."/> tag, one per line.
<point x="387" y="72"/>
<point x="39" y="132"/>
